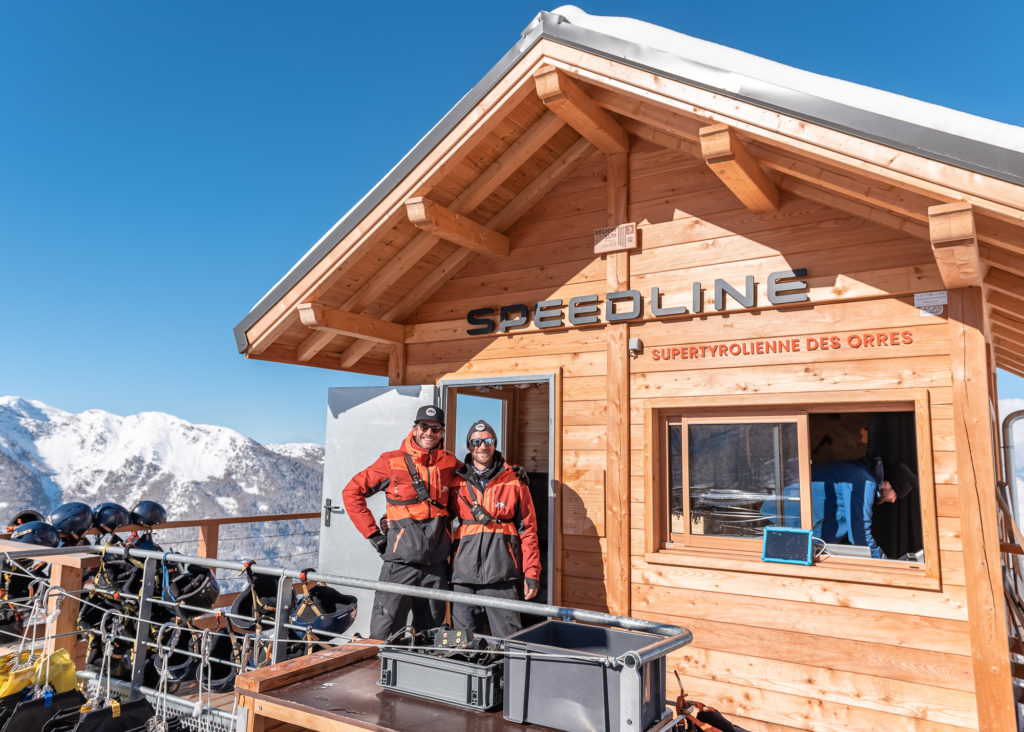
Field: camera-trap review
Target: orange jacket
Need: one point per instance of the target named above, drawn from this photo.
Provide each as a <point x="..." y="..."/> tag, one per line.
<point x="419" y="532"/>
<point x="501" y="550"/>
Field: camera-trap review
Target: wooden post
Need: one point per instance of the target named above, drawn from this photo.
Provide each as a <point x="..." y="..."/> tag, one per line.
<point x="209" y="533"/>
<point x="69" y="577"/>
<point x="396" y="365"/>
<point x="976" y="475"/>
<point x="617" y="521"/>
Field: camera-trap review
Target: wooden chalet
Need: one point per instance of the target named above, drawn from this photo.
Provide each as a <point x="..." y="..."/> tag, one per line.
<point x="814" y="270"/>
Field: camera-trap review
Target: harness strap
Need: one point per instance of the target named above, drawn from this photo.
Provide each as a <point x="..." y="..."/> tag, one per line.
<point x="422" y="492"/>
<point x="474" y="522"/>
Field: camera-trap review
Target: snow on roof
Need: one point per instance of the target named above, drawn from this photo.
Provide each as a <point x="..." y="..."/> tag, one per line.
<point x="739" y="72"/>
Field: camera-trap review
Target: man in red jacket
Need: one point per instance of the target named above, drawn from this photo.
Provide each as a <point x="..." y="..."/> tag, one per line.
<point x="417" y="541"/>
<point x="496" y="549"/>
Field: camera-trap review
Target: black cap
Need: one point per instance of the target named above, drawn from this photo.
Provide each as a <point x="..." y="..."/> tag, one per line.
<point x="901" y="478"/>
<point x="481" y="426"/>
<point x="430" y="413"/>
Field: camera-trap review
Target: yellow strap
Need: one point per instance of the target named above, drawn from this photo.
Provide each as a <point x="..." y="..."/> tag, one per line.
<point x="115" y="708"/>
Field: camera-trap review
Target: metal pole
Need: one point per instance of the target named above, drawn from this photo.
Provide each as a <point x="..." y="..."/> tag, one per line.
<point x="1009" y="460"/>
<point x="1009" y="468"/>
<point x="551" y="611"/>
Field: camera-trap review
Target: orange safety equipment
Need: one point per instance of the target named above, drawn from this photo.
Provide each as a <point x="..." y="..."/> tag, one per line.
<point x="415" y="482"/>
<point x="496" y="538"/>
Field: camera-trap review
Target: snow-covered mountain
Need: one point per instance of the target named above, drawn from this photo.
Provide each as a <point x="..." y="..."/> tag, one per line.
<point x="49" y="456"/>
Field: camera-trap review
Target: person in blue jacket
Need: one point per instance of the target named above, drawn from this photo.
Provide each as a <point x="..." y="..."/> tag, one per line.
<point x="845" y="493"/>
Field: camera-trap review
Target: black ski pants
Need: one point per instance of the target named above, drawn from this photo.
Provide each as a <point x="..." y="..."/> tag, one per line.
<point x="391" y="611"/>
<point x="476" y="618"/>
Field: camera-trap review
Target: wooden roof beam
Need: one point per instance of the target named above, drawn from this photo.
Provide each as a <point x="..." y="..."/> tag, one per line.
<point x="1006" y="322"/>
<point x="1002" y="259"/>
<point x="513" y="210"/>
<point x="431" y="216"/>
<point x="730" y="160"/>
<point x="1001" y="281"/>
<point x="342" y="322"/>
<point x="1012" y="305"/>
<point x="539" y="133"/>
<point x="564" y="97"/>
<point x="1009" y="359"/>
<point x="955" y="244"/>
<point x="1008" y="335"/>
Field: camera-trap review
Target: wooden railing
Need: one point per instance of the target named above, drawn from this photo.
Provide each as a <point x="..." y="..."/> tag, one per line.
<point x="66" y="570"/>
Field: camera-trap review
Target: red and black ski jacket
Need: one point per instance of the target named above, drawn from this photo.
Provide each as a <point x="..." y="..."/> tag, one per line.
<point x="500" y="550"/>
<point x="419" y="531"/>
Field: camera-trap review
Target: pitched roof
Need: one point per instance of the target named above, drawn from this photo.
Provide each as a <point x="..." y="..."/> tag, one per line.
<point x="992" y="149"/>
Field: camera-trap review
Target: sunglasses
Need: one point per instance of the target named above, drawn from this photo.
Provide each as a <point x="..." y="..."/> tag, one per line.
<point x="478" y="441"/>
<point x="435" y="428"/>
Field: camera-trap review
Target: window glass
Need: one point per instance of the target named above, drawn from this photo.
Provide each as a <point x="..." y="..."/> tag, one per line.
<point x="742" y="477"/>
<point x="677" y="521"/>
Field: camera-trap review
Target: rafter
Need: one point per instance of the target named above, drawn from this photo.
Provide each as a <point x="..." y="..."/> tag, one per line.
<point x="564" y="97"/>
<point x="1007" y="322"/>
<point x="660" y="137"/>
<point x="351" y="324"/>
<point x="730" y="160"/>
<point x="513" y="210"/>
<point x="431" y="216"/>
<point x="955" y="244"/>
<point x="1001" y="281"/>
<point x="535" y="137"/>
<point x="1009" y="359"/>
<point x="1002" y="259"/>
<point x="1012" y="305"/>
<point x="1016" y="338"/>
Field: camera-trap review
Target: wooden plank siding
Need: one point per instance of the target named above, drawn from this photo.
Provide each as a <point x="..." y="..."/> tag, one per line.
<point x="779" y="650"/>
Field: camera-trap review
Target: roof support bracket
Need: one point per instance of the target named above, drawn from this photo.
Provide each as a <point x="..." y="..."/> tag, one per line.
<point x="735" y="166"/>
<point x="341" y="322"/>
<point x="456" y="228"/>
<point x="955" y="244"/>
<point x="564" y="97"/>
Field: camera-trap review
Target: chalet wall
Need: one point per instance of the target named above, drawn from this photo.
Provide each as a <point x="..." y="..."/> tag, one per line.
<point x="777" y="651"/>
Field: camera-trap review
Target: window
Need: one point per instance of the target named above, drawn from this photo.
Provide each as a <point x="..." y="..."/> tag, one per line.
<point x="724" y="474"/>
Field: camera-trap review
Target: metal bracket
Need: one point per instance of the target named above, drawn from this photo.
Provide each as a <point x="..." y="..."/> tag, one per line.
<point x="630" y="710"/>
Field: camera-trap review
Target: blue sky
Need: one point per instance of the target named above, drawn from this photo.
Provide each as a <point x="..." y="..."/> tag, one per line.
<point x="162" y="165"/>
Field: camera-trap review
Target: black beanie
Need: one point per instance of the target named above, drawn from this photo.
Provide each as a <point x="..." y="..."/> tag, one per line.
<point x="901" y="478"/>
<point x="481" y="426"/>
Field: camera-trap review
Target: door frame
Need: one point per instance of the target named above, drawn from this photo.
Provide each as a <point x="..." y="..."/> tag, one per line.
<point x="553" y="380"/>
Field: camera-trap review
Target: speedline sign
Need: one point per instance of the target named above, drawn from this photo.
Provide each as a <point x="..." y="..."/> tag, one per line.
<point x="785" y="286"/>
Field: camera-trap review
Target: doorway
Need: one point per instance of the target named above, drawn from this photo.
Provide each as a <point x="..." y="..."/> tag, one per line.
<point x="522" y="410"/>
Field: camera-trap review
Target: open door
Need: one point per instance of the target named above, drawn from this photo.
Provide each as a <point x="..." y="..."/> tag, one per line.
<point x="522" y="409"/>
<point x="362" y="422"/>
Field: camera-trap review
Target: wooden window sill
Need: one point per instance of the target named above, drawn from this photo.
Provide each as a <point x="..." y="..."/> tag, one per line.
<point x="840" y="569"/>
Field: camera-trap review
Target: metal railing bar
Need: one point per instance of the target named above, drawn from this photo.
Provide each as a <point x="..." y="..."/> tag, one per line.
<point x="679" y="636"/>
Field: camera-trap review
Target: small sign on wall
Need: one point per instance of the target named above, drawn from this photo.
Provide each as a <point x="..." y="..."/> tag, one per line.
<point x="931" y="303"/>
<point x="619" y="238"/>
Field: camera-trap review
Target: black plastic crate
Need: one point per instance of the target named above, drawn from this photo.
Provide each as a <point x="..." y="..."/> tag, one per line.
<point x="560" y="683"/>
<point x="470" y="685"/>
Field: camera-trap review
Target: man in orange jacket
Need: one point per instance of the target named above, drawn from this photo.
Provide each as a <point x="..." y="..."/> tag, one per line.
<point x="416" y="543"/>
<point x="496" y="549"/>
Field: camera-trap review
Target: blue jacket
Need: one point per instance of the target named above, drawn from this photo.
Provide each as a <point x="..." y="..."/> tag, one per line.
<point x="843" y="496"/>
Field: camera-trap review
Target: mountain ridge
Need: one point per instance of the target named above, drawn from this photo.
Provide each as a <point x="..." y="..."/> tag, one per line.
<point x="49" y="456"/>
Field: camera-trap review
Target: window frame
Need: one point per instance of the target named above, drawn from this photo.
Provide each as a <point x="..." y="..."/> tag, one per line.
<point x="699" y="417"/>
<point x="663" y="547"/>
